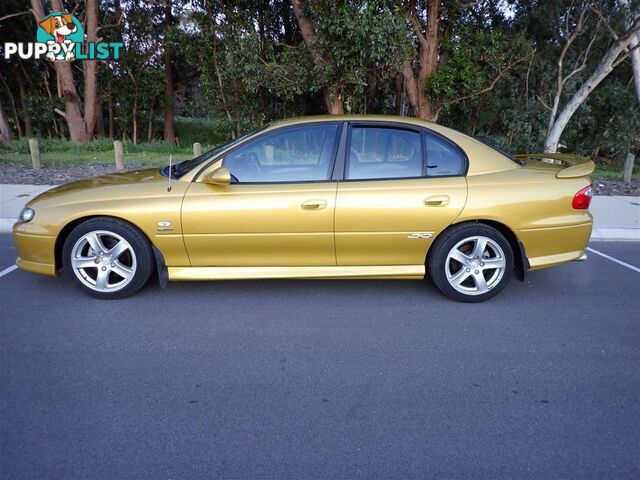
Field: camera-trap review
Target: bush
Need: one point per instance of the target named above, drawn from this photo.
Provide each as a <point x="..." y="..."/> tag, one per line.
<point x="205" y="131"/>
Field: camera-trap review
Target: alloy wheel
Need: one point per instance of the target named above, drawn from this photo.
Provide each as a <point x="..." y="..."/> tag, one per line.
<point x="103" y="261"/>
<point x="475" y="265"/>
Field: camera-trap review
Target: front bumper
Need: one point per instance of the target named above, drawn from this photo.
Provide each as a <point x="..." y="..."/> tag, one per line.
<point x="36" y="253"/>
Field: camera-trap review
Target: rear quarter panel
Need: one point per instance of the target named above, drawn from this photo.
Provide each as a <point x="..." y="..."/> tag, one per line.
<point x="536" y="206"/>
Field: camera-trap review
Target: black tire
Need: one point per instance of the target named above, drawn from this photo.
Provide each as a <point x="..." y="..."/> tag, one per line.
<point x="444" y="244"/>
<point x="144" y="259"/>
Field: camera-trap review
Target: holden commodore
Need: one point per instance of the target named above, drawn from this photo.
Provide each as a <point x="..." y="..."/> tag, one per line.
<point x="319" y="197"/>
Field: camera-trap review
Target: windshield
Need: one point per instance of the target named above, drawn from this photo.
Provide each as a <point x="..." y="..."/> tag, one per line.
<point x="180" y="169"/>
<point x="509" y="155"/>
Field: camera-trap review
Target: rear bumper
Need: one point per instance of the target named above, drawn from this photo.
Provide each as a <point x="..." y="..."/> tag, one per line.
<point x="547" y="247"/>
<point x="36" y="253"/>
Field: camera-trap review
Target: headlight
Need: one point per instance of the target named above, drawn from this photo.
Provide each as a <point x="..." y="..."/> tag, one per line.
<point x="26" y="215"/>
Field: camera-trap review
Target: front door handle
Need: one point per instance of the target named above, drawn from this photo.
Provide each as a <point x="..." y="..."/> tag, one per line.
<point x="314" y="204"/>
<point x="437" y="201"/>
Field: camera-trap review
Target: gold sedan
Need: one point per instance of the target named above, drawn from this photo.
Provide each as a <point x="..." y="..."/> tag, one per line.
<point x="319" y="197"/>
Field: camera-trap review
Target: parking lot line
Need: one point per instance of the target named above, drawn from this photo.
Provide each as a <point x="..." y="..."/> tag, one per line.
<point x="620" y="262"/>
<point x="8" y="270"/>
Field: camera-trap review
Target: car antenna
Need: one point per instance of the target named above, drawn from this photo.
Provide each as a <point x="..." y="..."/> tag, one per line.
<point x="169" y="188"/>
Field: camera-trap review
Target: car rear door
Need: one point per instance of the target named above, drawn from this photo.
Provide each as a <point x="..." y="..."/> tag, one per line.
<point x="402" y="186"/>
<point x="279" y="208"/>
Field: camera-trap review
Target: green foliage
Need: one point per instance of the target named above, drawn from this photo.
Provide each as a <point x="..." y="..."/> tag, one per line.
<point x="354" y="38"/>
<point x="241" y="64"/>
<point x="204" y="131"/>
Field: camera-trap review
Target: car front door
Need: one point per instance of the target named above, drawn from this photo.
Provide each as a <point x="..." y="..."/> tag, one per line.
<point x="279" y="208"/>
<point x="402" y="186"/>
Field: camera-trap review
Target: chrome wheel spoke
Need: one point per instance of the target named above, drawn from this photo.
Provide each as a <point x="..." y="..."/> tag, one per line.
<point x="459" y="257"/>
<point x="459" y="277"/>
<point x="84" y="262"/>
<point x="95" y="242"/>
<point x="122" y="270"/>
<point x="480" y="247"/>
<point x="118" y="249"/>
<point x="481" y="283"/>
<point x="492" y="263"/>
<point x="102" y="280"/>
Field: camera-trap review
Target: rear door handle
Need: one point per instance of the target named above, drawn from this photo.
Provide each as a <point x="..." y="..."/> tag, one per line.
<point x="437" y="201"/>
<point x="314" y="204"/>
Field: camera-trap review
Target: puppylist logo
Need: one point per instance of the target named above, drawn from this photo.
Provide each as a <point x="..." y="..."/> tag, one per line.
<point x="60" y="37"/>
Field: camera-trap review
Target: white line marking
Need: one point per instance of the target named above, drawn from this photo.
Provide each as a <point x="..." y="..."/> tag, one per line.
<point x="7" y="271"/>
<point x="620" y="262"/>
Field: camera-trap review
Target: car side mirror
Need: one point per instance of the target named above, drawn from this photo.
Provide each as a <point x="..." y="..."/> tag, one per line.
<point x="220" y="176"/>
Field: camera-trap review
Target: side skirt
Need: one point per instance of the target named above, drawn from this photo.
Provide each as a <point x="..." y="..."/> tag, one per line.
<point x="400" y="272"/>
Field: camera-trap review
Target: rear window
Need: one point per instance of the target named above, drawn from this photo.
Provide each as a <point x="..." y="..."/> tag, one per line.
<point x="492" y="145"/>
<point x="444" y="158"/>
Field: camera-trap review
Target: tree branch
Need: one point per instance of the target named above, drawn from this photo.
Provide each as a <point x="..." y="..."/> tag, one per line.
<point x="15" y="15"/>
<point x="490" y="87"/>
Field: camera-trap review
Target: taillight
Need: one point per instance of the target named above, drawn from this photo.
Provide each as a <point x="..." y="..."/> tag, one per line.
<point x="582" y="199"/>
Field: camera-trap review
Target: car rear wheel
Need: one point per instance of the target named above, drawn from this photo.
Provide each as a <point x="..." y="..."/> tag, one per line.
<point x="471" y="262"/>
<point x="108" y="258"/>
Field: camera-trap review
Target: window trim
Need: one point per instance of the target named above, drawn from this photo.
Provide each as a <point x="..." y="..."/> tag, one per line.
<point x="340" y="150"/>
<point x="423" y="139"/>
<point x="337" y="141"/>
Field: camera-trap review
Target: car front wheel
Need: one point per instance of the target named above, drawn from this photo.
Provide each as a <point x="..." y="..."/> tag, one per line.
<point x="471" y="263"/>
<point x="108" y="258"/>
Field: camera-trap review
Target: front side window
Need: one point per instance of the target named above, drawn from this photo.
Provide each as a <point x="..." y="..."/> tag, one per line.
<point x="384" y="152"/>
<point x="443" y="157"/>
<point x="299" y="154"/>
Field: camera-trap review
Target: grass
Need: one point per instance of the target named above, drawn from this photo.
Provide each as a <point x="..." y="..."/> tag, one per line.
<point x="60" y="154"/>
<point x="614" y="172"/>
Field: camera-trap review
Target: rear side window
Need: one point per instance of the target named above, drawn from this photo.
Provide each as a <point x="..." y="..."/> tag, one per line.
<point x="443" y="157"/>
<point x="384" y="152"/>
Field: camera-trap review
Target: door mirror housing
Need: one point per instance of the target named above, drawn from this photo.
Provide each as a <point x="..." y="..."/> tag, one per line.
<point x="220" y="176"/>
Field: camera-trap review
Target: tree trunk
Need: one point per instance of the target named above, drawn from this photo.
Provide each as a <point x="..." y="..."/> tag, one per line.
<point x="26" y="117"/>
<point x="99" y="121"/>
<point x="150" y="125"/>
<point x="73" y="110"/>
<point x="134" y="123"/>
<point x="398" y="98"/>
<point x="111" y="117"/>
<point x="16" y="118"/>
<point x="330" y="93"/>
<point x="417" y="83"/>
<point x="603" y="69"/>
<point x="90" y="71"/>
<point x="169" y="100"/>
<point x="333" y="100"/>
<point x="635" y="53"/>
<point x="6" y="135"/>
<point x="635" y="63"/>
<point x="45" y="77"/>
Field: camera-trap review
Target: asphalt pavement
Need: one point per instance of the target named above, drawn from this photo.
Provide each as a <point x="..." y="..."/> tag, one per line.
<point x="323" y="379"/>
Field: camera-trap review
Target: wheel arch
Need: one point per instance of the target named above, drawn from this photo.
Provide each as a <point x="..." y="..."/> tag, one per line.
<point x="70" y="226"/>
<point x="519" y="254"/>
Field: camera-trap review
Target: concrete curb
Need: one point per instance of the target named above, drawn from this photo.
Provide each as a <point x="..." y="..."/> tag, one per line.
<point x="615" y="235"/>
<point x="6" y="224"/>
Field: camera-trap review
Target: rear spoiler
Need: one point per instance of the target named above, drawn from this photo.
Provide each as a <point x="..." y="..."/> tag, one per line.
<point x="571" y="165"/>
